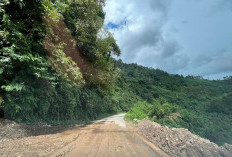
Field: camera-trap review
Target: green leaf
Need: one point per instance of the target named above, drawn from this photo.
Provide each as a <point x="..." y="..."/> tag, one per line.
<point x="17" y="108"/>
<point x="12" y="87"/>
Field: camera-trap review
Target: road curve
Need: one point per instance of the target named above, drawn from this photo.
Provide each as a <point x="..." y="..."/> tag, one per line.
<point x="109" y="137"/>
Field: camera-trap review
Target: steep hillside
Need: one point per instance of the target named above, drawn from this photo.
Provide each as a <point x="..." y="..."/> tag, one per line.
<point x="202" y="106"/>
<point x="53" y="65"/>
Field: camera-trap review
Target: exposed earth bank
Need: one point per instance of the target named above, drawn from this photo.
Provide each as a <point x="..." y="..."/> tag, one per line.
<point x="181" y="142"/>
<point x="10" y="130"/>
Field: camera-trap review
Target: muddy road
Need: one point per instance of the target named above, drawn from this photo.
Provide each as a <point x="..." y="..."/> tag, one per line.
<point x="109" y="137"/>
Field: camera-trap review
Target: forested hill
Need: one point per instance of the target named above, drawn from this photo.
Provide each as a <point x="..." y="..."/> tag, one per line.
<point x="202" y="106"/>
<point x="56" y="66"/>
<point x="55" y="61"/>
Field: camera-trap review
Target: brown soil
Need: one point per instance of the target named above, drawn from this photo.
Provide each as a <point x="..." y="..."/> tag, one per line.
<point x="59" y="33"/>
<point x="181" y="142"/>
<point x="108" y="137"/>
<point x="11" y="130"/>
<point x="111" y="136"/>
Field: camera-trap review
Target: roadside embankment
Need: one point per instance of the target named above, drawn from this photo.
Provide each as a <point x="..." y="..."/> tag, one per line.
<point x="181" y="142"/>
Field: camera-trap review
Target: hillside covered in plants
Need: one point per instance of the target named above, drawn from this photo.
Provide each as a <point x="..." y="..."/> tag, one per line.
<point x="57" y="66"/>
<point x="200" y="105"/>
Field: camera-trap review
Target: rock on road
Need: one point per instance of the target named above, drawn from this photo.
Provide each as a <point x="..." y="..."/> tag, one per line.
<point x="109" y="137"/>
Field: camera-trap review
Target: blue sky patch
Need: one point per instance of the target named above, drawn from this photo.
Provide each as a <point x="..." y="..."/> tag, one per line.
<point x="112" y="25"/>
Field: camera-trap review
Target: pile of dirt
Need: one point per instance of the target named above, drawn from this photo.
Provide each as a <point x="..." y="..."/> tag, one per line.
<point x="12" y="130"/>
<point x="181" y="142"/>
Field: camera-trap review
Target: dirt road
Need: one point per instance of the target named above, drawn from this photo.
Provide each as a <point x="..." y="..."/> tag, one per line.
<point x="109" y="137"/>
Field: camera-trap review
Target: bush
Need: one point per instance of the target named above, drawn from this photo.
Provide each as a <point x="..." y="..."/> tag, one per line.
<point x="140" y="111"/>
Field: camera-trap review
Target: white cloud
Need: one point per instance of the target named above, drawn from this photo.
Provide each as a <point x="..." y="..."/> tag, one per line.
<point x="142" y="38"/>
<point x="163" y="34"/>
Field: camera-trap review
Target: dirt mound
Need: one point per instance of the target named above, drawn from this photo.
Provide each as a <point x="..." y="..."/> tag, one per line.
<point x="181" y="142"/>
<point x="12" y="130"/>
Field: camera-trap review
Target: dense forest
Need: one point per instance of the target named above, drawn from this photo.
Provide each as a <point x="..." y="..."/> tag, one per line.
<point x="56" y="66"/>
<point x="40" y="80"/>
<point x="200" y="105"/>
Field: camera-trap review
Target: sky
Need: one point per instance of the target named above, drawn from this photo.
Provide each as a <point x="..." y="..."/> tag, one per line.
<point x="187" y="37"/>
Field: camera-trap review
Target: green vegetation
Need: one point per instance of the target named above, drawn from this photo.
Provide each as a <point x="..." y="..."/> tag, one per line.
<point x="39" y="81"/>
<point x="36" y="87"/>
<point x="200" y="105"/>
<point x="85" y="20"/>
<point x="166" y="114"/>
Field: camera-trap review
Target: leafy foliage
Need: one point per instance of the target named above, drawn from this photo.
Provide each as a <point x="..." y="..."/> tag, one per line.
<point x="58" y="60"/>
<point x="202" y="106"/>
<point x="85" y="20"/>
<point x="31" y="89"/>
<point x="140" y="111"/>
<point x="59" y="104"/>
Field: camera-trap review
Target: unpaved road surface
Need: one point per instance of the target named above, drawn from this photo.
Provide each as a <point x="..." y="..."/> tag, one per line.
<point x="109" y="137"/>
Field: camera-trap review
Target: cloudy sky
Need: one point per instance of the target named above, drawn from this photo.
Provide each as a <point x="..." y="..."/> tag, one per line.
<point x="189" y="37"/>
